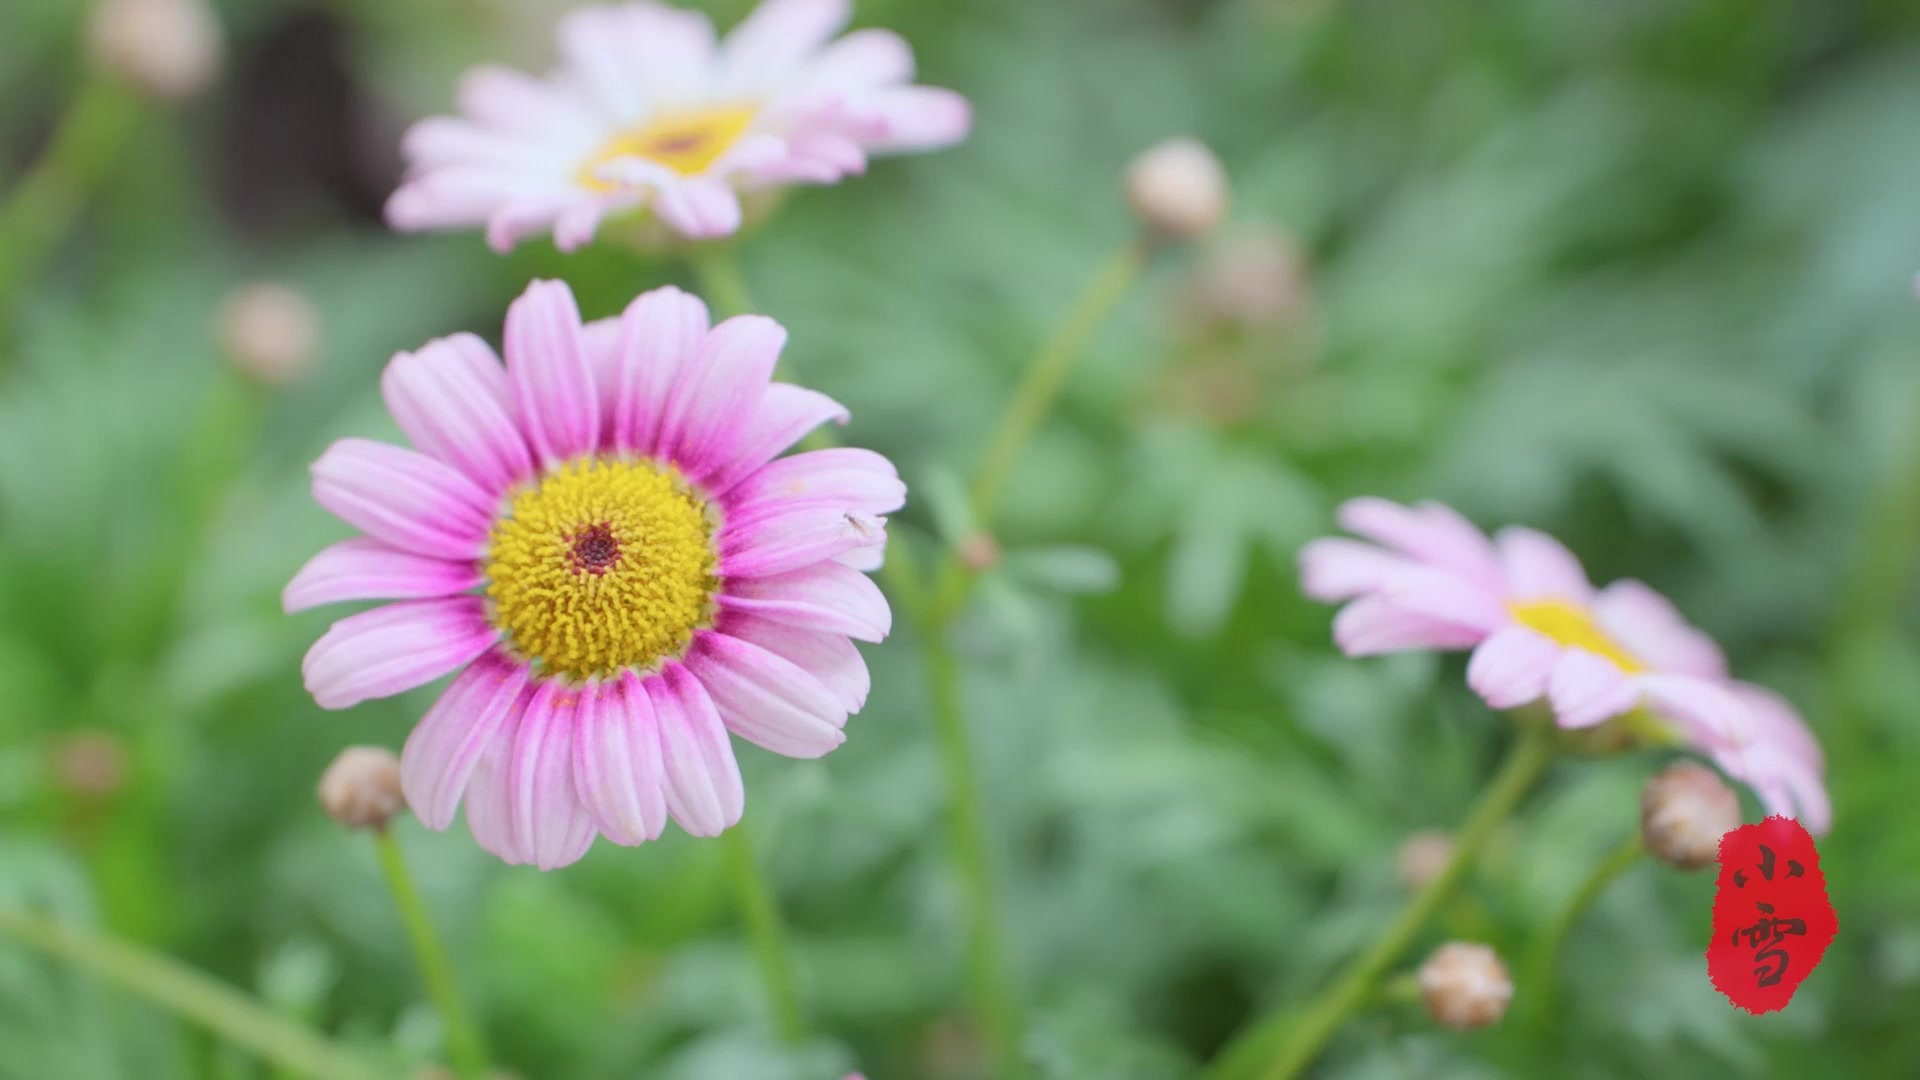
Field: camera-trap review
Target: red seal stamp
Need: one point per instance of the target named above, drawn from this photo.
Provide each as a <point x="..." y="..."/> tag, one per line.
<point x="1772" y="921"/>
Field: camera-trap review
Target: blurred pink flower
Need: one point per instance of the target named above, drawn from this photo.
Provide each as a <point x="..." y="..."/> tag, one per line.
<point x="648" y="110"/>
<point x="599" y="538"/>
<point x="1428" y="579"/>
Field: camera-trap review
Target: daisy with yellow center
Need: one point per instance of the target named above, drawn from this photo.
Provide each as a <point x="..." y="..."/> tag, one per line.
<point x="600" y="538"/>
<point x="1425" y="578"/>
<point x="650" y="114"/>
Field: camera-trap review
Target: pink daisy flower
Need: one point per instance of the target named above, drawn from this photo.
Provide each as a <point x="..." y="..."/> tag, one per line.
<point x="1428" y="579"/>
<point x="598" y="537"/>
<point x="648" y="111"/>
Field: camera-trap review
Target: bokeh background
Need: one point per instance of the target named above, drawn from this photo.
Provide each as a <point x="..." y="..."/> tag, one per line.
<point x="1639" y="273"/>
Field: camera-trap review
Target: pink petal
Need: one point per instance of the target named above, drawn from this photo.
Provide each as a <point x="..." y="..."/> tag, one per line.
<point x="1335" y="568"/>
<point x="1429" y="533"/>
<point x="394" y="648"/>
<point x="489" y="799"/>
<point x="785" y="415"/>
<point x="617" y="764"/>
<point x="366" y="569"/>
<point x="601" y="339"/>
<point x="820" y="157"/>
<point x="1777" y="722"/>
<point x="445" y="141"/>
<point x="452" y="400"/>
<point x="1511" y="667"/>
<point x="1652" y="628"/>
<point x="703" y="788"/>
<point x="551" y="825"/>
<point x="826" y="596"/>
<point x="766" y="699"/>
<point x="636" y="57"/>
<point x="1445" y="597"/>
<point x="1586" y="689"/>
<point x="771" y="43"/>
<point x="529" y="213"/>
<point x="1538" y="567"/>
<point x="660" y="332"/>
<point x="447" y="744"/>
<point x="790" y="540"/>
<point x="716" y="396"/>
<point x="862" y="60"/>
<point x="699" y="208"/>
<point x="831" y="658"/>
<point x="1372" y="625"/>
<point x="407" y="499"/>
<point x="575" y="226"/>
<point x="866" y="559"/>
<point x="909" y="118"/>
<point x="517" y="102"/>
<point x="1705" y="709"/>
<point x="551" y="378"/>
<point x="849" y="477"/>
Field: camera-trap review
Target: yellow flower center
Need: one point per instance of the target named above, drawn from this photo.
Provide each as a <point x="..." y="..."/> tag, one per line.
<point x="684" y="140"/>
<point x="603" y="565"/>
<point x="1573" y="626"/>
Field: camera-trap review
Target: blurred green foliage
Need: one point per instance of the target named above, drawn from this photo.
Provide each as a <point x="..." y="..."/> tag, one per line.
<point x="1638" y="272"/>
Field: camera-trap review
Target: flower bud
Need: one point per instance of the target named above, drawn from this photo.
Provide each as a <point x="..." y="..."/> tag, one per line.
<point x="90" y="764"/>
<point x="268" y="332"/>
<point x="1422" y="858"/>
<point x="165" y="49"/>
<point x="361" y="789"/>
<point x="1684" y="811"/>
<point x="1177" y="189"/>
<point x="979" y="552"/>
<point x="1253" y="279"/>
<point x="1465" y="986"/>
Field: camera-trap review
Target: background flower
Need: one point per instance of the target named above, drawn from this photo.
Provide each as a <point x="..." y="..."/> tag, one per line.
<point x="1539" y="631"/>
<point x="649" y="111"/>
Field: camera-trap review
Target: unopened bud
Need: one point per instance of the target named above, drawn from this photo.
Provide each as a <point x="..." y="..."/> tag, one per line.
<point x="1684" y="811"/>
<point x="268" y="332"/>
<point x="1177" y="189"/>
<point x="90" y="764"/>
<point x="361" y="789"/>
<point x="1423" y="857"/>
<point x="1465" y="986"/>
<point x="979" y="552"/>
<point x="166" y="49"/>
<point x="1252" y="279"/>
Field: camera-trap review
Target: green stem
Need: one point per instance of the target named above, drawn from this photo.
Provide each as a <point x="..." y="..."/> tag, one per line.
<point x="717" y="274"/>
<point x="36" y="212"/>
<point x="1619" y="861"/>
<point x="464" y="1042"/>
<point x="191" y="994"/>
<point x="995" y="1005"/>
<point x="1047" y="372"/>
<point x="768" y="931"/>
<point x="1304" y="1039"/>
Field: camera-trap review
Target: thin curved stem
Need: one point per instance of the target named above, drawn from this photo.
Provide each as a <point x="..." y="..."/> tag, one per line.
<point x="1294" y="1044"/>
<point x="995" y="1004"/>
<point x="1542" y="962"/>
<point x="464" y="1042"/>
<point x="1047" y="372"/>
<point x="198" y="997"/>
<point x="768" y="932"/>
<point x="718" y="275"/>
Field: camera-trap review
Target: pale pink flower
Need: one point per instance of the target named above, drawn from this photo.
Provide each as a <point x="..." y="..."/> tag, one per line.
<point x="648" y="111"/>
<point x="1428" y="579"/>
<point x="598" y="537"/>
